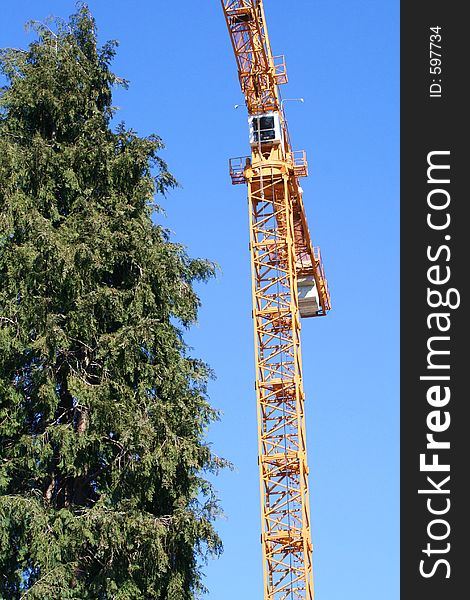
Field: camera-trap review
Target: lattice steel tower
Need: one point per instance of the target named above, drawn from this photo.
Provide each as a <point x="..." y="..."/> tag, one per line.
<point x="288" y="283"/>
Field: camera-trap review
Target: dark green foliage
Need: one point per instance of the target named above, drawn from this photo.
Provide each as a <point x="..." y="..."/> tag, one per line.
<point x="102" y="411"/>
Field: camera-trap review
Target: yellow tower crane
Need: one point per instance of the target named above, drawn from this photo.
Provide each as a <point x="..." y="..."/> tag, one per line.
<point x="288" y="282"/>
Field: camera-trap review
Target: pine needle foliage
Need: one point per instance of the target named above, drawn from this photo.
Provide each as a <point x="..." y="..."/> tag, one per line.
<point x="103" y="411"/>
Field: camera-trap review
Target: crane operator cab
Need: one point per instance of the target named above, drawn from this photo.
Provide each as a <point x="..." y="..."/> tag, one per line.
<point x="309" y="301"/>
<point x="265" y="128"/>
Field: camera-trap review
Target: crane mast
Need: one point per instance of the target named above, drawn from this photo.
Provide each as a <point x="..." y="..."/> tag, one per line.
<point x="288" y="282"/>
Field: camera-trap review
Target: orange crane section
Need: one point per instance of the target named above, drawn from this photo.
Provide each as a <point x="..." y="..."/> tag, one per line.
<point x="288" y="282"/>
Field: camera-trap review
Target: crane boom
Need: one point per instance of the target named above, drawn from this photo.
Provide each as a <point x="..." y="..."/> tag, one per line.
<point x="288" y="282"/>
<point x="257" y="71"/>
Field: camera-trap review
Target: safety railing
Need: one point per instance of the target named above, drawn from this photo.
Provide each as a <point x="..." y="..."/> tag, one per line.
<point x="280" y="69"/>
<point x="237" y="167"/>
<point x="298" y="159"/>
<point x="325" y="292"/>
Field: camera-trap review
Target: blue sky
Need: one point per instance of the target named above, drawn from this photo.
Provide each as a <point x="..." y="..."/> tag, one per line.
<point x="343" y="58"/>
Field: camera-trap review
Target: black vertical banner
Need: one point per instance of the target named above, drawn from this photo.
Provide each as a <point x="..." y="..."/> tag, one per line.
<point x="435" y="268"/>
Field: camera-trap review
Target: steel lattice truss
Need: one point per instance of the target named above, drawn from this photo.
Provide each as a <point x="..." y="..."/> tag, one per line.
<point x="286" y="539"/>
<point x="259" y="71"/>
<point x="281" y="252"/>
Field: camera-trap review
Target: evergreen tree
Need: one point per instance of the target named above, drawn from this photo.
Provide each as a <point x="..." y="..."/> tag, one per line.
<point x="103" y="412"/>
